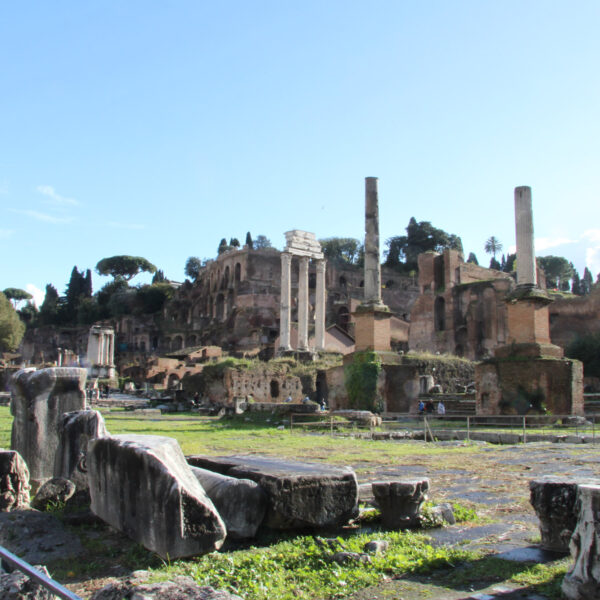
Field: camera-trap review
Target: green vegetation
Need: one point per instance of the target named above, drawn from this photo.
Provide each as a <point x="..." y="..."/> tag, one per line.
<point x="11" y="327"/>
<point x="348" y="251"/>
<point x="124" y="266"/>
<point x="361" y="377"/>
<point x="301" y="568"/>
<point x="402" y="251"/>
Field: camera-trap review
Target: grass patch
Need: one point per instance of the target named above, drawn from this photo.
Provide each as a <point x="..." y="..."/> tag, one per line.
<point x="301" y="568"/>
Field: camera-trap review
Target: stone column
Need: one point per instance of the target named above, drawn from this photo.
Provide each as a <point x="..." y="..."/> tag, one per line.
<point x="372" y="289"/>
<point x="303" y="305"/>
<point x="100" y="357"/>
<point x="284" y="310"/>
<point x="320" y="306"/>
<point x="526" y="274"/>
<point x="111" y="349"/>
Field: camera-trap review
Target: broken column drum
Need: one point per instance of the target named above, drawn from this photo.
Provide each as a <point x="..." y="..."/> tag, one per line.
<point x="582" y="582"/>
<point x="305" y="246"/>
<point x="400" y="501"/>
<point x="39" y="399"/>
<point x="553" y="499"/>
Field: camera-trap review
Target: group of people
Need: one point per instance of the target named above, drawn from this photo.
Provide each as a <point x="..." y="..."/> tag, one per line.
<point x="429" y="408"/>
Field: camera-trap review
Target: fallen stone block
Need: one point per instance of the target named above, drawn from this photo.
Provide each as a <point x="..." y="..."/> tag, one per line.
<point x="241" y="503"/>
<point x="553" y="499"/>
<point x="75" y="430"/>
<point x="582" y="582"/>
<point x="181" y="588"/>
<point x="142" y="485"/>
<point x="17" y="586"/>
<point x="39" y="398"/>
<point x="298" y="494"/>
<point x="400" y="501"/>
<point x="14" y="481"/>
<point x="54" y="492"/>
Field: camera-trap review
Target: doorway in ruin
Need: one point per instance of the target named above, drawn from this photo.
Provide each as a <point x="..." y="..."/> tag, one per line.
<point x="439" y="314"/>
<point x="274" y="388"/>
<point x="220" y="307"/>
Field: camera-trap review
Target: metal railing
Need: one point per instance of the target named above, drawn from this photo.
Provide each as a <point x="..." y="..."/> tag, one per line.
<point x="31" y="572"/>
<point x="507" y="429"/>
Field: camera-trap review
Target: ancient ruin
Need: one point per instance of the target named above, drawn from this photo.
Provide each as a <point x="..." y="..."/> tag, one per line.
<point x="304" y="245"/>
<point x="528" y="372"/>
<point x="101" y="352"/>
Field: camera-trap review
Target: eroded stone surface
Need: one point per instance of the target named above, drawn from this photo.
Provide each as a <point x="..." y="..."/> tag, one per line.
<point x="17" y="586"/>
<point x="14" y="481"/>
<point x="299" y="494"/>
<point x="400" y="501"/>
<point x="241" y="502"/>
<point x="582" y="582"/>
<point x="553" y="499"/>
<point x="39" y="398"/>
<point x="142" y="485"/>
<point x="54" y="492"/>
<point x="181" y="588"/>
<point x="75" y="430"/>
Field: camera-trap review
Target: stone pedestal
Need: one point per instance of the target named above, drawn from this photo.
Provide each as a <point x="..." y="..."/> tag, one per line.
<point x="553" y="499"/>
<point x="582" y="582"/>
<point x="400" y="501"/>
<point x="372" y="329"/>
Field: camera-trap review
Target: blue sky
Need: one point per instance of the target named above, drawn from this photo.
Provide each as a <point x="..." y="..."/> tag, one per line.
<point x="156" y="129"/>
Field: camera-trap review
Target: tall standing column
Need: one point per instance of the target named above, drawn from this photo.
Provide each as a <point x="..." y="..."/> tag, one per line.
<point x="526" y="274"/>
<point x="100" y="356"/>
<point x="285" y="308"/>
<point x="320" y="306"/>
<point x="303" y="305"/>
<point x="372" y="289"/>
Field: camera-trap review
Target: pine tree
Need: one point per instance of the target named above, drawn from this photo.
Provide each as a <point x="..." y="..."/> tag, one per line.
<point x="249" y="241"/>
<point x="587" y="282"/>
<point x="472" y="258"/>
<point x="223" y="247"/>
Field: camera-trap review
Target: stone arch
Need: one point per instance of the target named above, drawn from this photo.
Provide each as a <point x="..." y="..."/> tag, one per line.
<point x="439" y="313"/>
<point x="220" y="307"/>
<point x="177" y="343"/>
<point x="343" y="282"/>
<point x="461" y="341"/>
<point x="191" y="340"/>
<point x="225" y="282"/>
<point x="173" y="381"/>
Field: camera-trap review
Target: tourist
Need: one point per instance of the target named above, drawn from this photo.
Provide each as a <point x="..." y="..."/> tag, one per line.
<point x="429" y="408"/>
<point x="441" y="409"/>
<point x="421" y="407"/>
<point x="288" y="399"/>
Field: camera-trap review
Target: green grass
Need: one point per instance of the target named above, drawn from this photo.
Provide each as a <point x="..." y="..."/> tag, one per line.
<point x="301" y="568"/>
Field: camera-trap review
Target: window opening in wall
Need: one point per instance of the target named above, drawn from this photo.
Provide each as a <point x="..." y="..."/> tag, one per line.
<point x="439" y="311"/>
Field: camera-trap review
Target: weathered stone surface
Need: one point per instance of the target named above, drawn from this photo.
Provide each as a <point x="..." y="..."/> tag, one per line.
<point x="376" y="546"/>
<point x="400" y="501"/>
<point x="38" y="537"/>
<point x="14" y="481"/>
<point x="55" y="491"/>
<point x="582" y="582"/>
<point x="142" y="485"/>
<point x="75" y="430"/>
<point x="299" y="494"/>
<point x="241" y="503"/>
<point x="17" y="586"/>
<point x="181" y="588"/>
<point x="553" y="499"/>
<point x="39" y="398"/>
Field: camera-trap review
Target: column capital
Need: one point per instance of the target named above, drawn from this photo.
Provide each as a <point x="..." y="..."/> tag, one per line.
<point x="286" y="259"/>
<point x="320" y="266"/>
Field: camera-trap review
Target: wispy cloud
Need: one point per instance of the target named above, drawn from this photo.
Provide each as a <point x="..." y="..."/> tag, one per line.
<point x="38" y="295"/>
<point x="40" y="216"/>
<point x="542" y="244"/>
<point x="6" y="233"/>
<point x="592" y="251"/>
<point x="117" y="225"/>
<point x="54" y="198"/>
